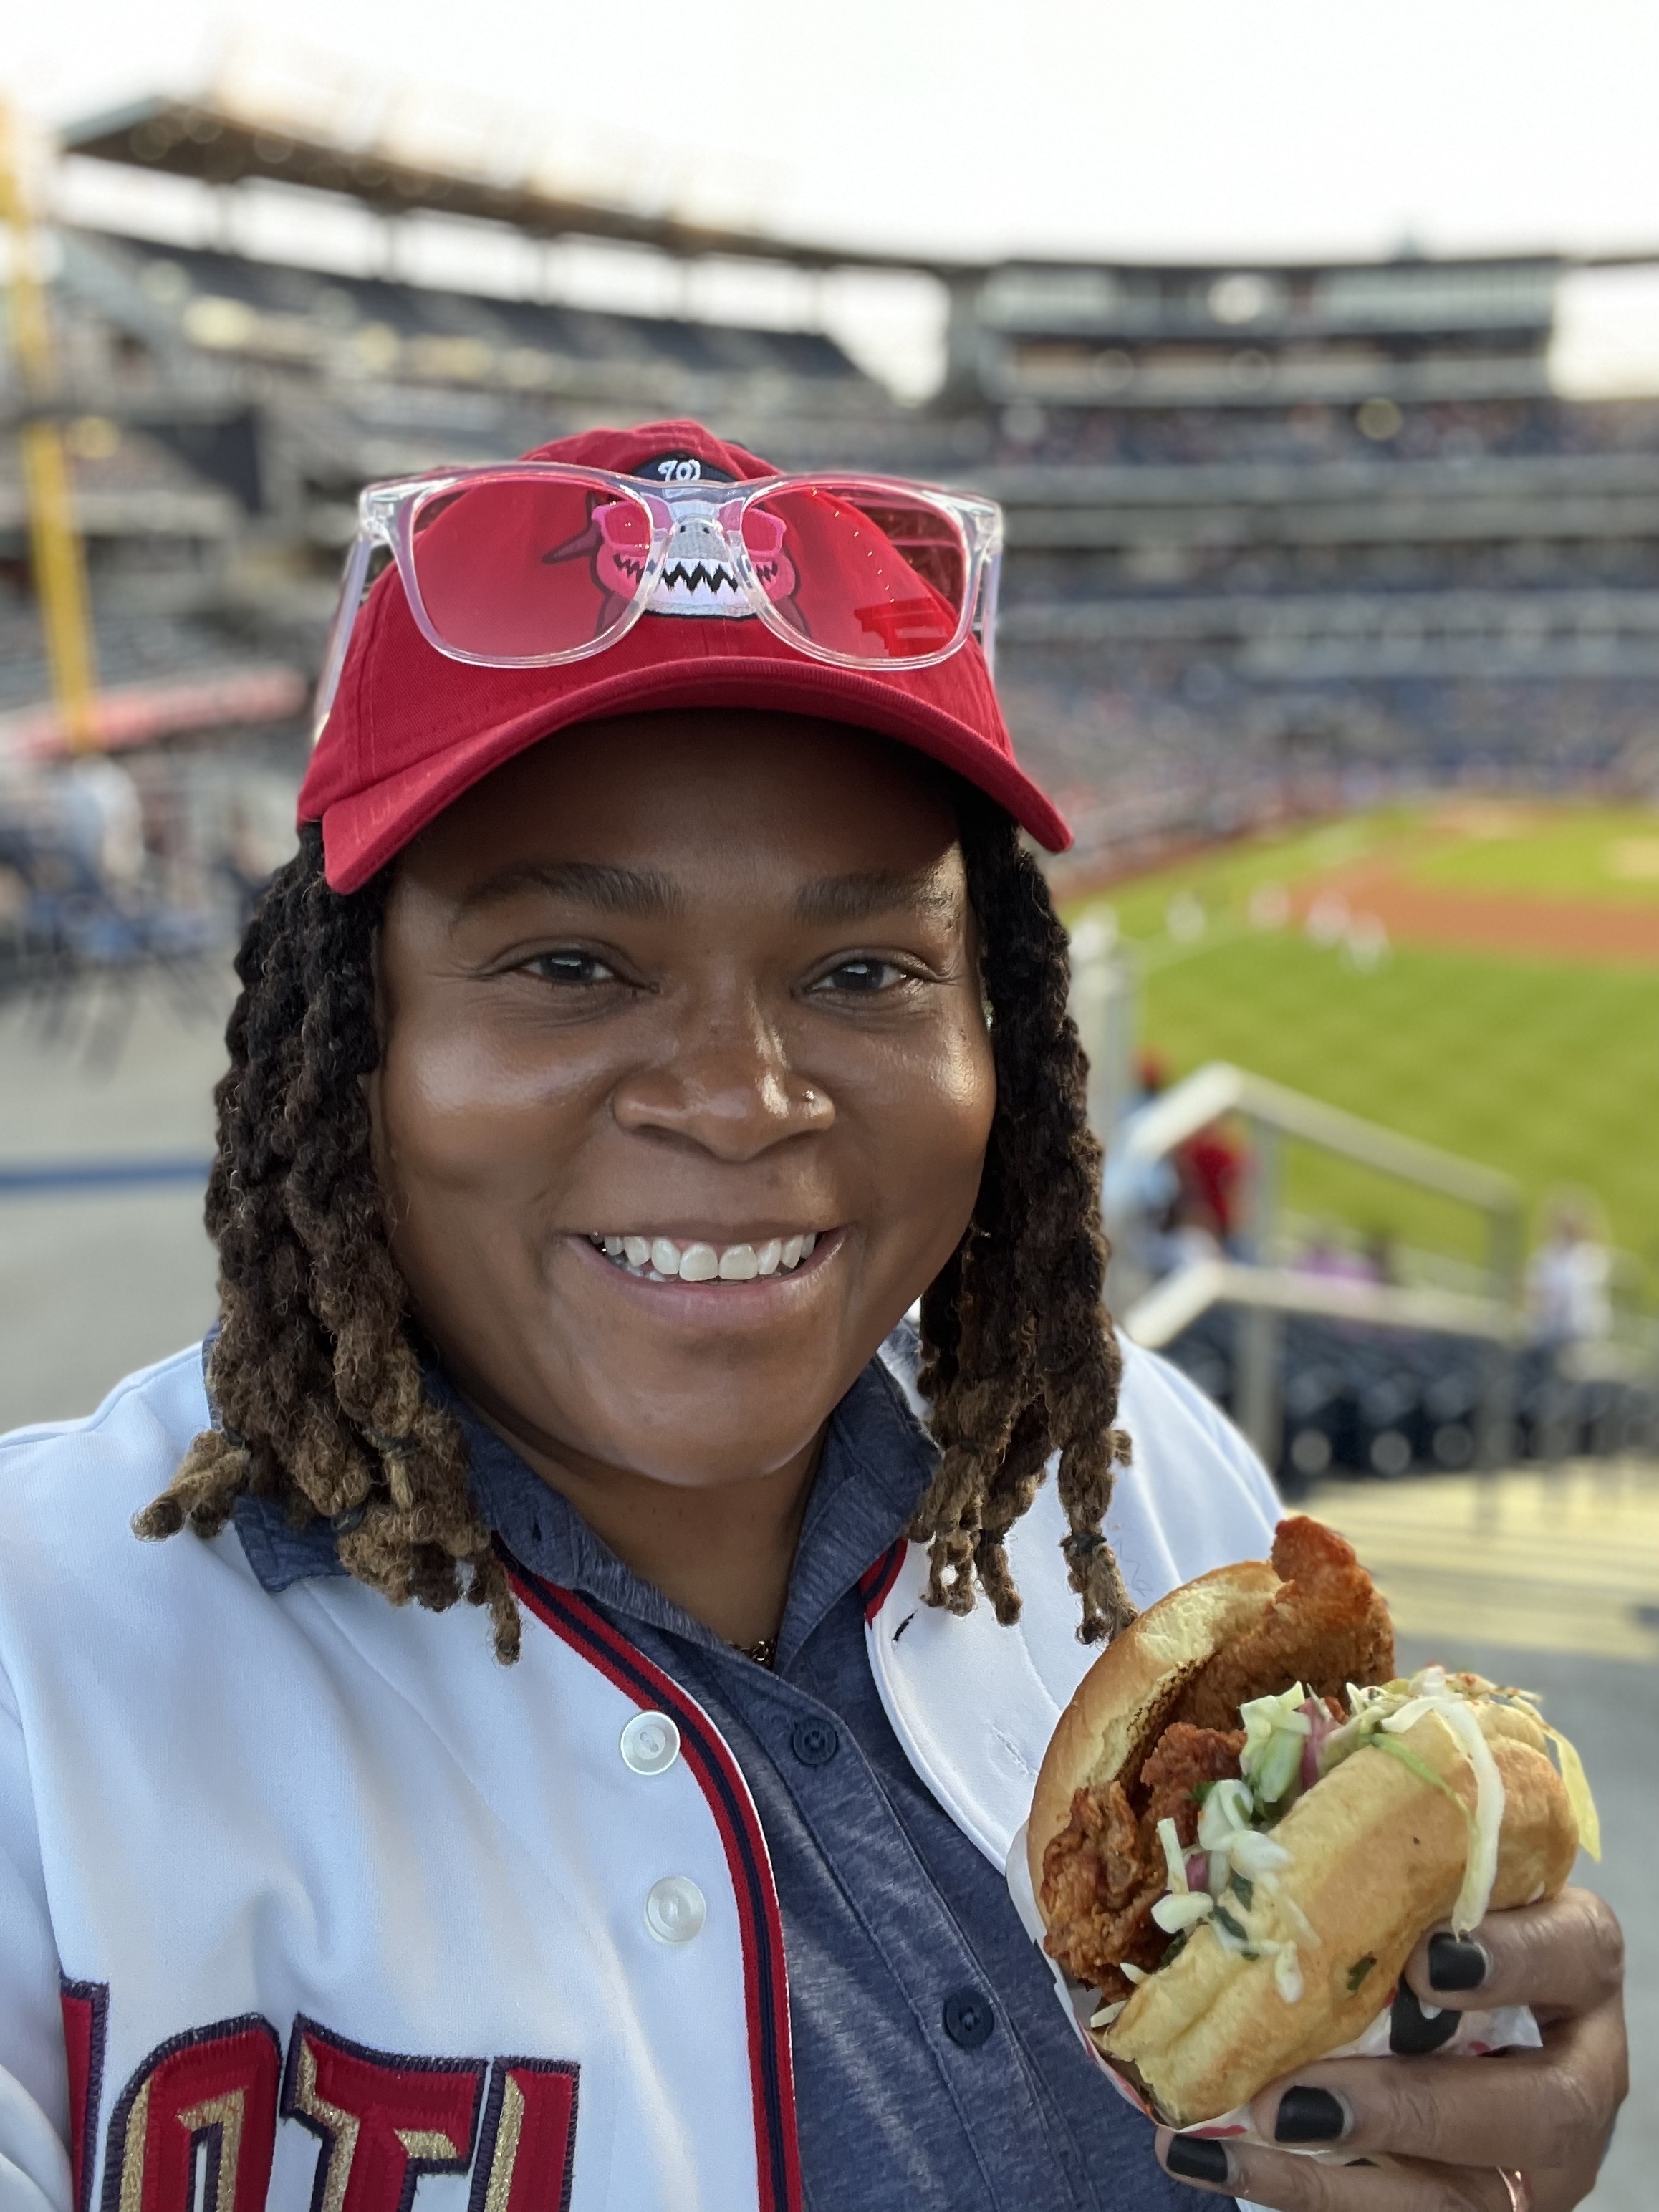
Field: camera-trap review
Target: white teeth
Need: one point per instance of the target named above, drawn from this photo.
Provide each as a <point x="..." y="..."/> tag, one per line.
<point x="661" y="1260"/>
<point x="699" y="1263"/>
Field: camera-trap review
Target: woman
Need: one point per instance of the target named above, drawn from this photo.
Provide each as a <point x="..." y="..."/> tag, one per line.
<point x="659" y="1006"/>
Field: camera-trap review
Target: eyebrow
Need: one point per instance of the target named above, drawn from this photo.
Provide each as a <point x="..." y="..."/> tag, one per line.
<point x="640" y="891"/>
<point x="646" y="893"/>
<point x="854" y="897"/>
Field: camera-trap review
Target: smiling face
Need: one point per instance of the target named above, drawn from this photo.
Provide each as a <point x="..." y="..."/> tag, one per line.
<point x="662" y="1000"/>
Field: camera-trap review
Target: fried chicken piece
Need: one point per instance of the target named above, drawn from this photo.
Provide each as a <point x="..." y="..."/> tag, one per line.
<point x="1305" y="1548"/>
<point x="1185" y="1756"/>
<point x="1096" y="1888"/>
<point x="1104" y="1872"/>
<point x="1327" y="1627"/>
<point x="1132" y="1935"/>
<point x="1095" y="1860"/>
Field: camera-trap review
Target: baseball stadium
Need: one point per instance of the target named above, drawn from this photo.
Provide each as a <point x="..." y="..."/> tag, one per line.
<point x="1329" y="617"/>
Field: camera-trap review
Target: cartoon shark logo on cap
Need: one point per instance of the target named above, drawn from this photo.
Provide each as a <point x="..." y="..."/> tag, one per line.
<point x="698" y="577"/>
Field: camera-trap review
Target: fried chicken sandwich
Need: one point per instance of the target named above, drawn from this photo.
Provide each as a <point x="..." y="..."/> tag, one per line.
<point x="1245" y="1822"/>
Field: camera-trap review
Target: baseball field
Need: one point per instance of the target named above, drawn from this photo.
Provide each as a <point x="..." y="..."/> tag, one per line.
<point x="1480" y="974"/>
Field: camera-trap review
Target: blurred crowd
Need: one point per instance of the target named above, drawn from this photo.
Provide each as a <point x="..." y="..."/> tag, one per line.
<point x="1446" y="430"/>
<point x="1220" y="565"/>
<point x="116" y="867"/>
<point x="1148" y="756"/>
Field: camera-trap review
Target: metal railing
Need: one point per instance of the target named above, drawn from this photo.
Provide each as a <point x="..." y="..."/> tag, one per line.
<point x="1264" y="1297"/>
<point x="1264" y="1293"/>
<point x="1159" y="1316"/>
<point x="1273" y="1113"/>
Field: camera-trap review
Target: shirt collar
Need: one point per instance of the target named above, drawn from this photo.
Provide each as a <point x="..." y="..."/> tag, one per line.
<point x="876" y="1461"/>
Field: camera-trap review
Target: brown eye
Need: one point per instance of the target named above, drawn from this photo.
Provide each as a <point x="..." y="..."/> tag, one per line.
<point x="570" y="967"/>
<point x="862" y="977"/>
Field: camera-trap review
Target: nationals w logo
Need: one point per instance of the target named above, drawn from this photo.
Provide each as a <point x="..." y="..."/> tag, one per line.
<point x="197" y="2121"/>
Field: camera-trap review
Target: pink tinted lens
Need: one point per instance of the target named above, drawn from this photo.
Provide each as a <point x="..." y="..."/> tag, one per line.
<point x="871" y="576"/>
<point x="514" y="568"/>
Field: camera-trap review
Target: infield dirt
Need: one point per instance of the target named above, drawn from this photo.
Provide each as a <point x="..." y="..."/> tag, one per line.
<point x="1489" y="921"/>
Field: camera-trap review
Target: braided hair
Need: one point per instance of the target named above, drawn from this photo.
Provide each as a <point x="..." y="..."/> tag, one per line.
<point x="1019" y="1359"/>
<point x="316" y="1374"/>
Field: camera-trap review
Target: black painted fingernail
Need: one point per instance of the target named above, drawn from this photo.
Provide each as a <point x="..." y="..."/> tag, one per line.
<point x="1455" y="1965"/>
<point x="1308" y="2115"/>
<point x="1415" y="2029"/>
<point x="1196" y="2158"/>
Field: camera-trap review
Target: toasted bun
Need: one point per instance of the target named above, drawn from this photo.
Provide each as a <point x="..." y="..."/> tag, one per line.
<point x="1123" y="1700"/>
<point x="1378" y="1858"/>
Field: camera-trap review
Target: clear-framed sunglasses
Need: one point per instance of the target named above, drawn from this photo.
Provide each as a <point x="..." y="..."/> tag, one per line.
<point x="531" y="563"/>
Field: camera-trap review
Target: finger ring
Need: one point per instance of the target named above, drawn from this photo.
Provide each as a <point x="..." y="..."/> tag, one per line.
<point x="1519" y="2187"/>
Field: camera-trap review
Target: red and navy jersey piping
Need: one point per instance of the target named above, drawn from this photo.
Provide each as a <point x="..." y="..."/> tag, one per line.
<point x="766" y="1994"/>
<point x="876" y="1582"/>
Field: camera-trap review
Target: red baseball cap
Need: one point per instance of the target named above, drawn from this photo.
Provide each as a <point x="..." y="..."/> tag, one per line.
<point x="410" y="729"/>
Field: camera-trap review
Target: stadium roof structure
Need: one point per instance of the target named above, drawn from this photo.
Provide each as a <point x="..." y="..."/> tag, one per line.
<point x="215" y="145"/>
<point x="218" y="142"/>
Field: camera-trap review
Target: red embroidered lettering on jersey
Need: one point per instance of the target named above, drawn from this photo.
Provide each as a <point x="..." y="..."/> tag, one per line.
<point x="384" y="2120"/>
<point x="85" y="2007"/>
<point x="527" y="2151"/>
<point x="210" y="2094"/>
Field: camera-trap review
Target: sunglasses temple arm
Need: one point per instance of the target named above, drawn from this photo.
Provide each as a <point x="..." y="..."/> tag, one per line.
<point x="339" y="636"/>
<point x="990" y="583"/>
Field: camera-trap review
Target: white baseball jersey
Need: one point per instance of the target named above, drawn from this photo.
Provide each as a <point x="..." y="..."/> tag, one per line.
<point x="306" y="1901"/>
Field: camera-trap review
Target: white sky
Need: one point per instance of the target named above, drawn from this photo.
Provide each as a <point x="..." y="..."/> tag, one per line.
<point x="1232" y="127"/>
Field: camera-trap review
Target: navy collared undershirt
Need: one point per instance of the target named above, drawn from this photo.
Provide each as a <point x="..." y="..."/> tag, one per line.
<point x="935" y="2070"/>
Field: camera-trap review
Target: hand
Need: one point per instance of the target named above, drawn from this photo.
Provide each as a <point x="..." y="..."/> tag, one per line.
<point x="1427" y="2135"/>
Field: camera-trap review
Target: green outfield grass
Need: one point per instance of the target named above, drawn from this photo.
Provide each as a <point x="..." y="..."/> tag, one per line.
<point x="1548" y="1071"/>
<point x="1608" y="855"/>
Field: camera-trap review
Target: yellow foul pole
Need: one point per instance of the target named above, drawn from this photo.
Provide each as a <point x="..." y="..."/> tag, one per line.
<point x="60" y="579"/>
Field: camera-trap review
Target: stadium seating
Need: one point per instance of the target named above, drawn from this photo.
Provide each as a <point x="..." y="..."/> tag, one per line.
<point x="1373" y="1407"/>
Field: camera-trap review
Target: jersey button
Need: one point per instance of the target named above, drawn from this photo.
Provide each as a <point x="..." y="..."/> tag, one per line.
<point x="650" y="1743"/>
<point x="814" y="1742"/>
<point x="969" y="2017"/>
<point x="675" y="1909"/>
